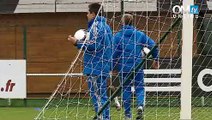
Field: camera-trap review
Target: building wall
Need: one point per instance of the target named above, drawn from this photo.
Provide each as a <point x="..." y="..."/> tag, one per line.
<point x="48" y="50"/>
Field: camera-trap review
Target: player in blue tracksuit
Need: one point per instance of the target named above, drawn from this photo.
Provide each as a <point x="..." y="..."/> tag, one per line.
<point x="97" y="57"/>
<point x="128" y="46"/>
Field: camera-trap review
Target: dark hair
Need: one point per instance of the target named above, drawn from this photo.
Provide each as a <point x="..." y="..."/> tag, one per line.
<point x="94" y="7"/>
<point x="127" y="19"/>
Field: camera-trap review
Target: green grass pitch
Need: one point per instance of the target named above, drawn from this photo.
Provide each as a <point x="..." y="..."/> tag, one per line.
<point x="156" y="109"/>
<point x="85" y="113"/>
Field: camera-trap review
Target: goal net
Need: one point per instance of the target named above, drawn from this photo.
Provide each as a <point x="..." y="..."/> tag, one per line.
<point x="71" y="99"/>
<point x="202" y="64"/>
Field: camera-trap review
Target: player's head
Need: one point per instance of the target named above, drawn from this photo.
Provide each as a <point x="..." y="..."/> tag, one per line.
<point x="93" y="11"/>
<point x="127" y="19"/>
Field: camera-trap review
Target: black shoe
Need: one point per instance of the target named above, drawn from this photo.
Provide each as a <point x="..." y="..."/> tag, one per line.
<point x="139" y="113"/>
<point x="97" y="118"/>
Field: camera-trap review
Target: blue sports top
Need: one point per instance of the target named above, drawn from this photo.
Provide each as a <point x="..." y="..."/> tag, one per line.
<point x="97" y="57"/>
<point x="127" y="48"/>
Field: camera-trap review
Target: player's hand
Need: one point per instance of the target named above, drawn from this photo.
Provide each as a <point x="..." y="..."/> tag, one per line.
<point x="73" y="40"/>
<point x="155" y="64"/>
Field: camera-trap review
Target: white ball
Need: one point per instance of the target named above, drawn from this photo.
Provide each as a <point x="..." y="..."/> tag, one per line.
<point x="80" y="34"/>
<point x="146" y="50"/>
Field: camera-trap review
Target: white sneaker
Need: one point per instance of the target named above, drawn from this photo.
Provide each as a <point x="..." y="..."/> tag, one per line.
<point x="140" y="108"/>
<point x="140" y="111"/>
<point x="118" y="106"/>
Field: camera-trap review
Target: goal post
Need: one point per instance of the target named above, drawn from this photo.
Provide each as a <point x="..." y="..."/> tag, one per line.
<point x="187" y="43"/>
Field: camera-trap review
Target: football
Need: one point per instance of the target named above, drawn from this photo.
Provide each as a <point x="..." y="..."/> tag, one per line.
<point x="80" y="34"/>
<point x="146" y="50"/>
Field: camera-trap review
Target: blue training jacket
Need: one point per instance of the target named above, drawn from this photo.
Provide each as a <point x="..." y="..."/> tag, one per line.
<point x="127" y="48"/>
<point x="97" y="57"/>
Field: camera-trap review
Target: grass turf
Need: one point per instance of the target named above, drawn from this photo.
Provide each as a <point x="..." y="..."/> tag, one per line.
<point x="86" y="113"/>
<point x="28" y="109"/>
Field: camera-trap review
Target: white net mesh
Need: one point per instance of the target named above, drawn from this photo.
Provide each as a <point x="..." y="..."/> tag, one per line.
<point x="71" y="99"/>
<point x="201" y="86"/>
